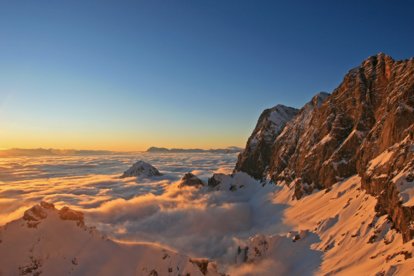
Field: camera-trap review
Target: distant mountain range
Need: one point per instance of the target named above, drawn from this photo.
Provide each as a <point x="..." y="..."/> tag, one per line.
<point x="45" y="152"/>
<point x="16" y="152"/>
<point x="177" y="150"/>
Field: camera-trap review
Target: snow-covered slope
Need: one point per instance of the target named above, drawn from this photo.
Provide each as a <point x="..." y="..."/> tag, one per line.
<point x="333" y="232"/>
<point x="47" y="241"/>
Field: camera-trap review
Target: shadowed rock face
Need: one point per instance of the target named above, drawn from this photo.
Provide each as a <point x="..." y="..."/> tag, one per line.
<point x="217" y="179"/>
<point x="190" y="180"/>
<point x="256" y="156"/>
<point x="334" y="137"/>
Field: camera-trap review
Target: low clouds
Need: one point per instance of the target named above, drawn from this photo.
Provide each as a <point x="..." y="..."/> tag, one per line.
<point x="198" y="222"/>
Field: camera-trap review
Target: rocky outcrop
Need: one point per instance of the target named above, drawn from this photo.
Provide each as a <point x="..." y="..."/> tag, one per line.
<point x="390" y="176"/>
<point x="292" y="136"/>
<point x="216" y="179"/>
<point x="190" y="180"/>
<point x="337" y="136"/>
<point x="347" y="130"/>
<point x="141" y="169"/>
<point x="39" y="212"/>
<point x="256" y="156"/>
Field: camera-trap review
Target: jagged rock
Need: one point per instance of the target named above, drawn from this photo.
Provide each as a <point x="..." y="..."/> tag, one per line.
<point x="141" y="168"/>
<point x="203" y="265"/>
<point x="345" y="132"/>
<point x="388" y="177"/>
<point x="283" y="150"/>
<point x="334" y="137"/>
<point x="68" y="214"/>
<point x="39" y="212"/>
<point x="34" y="215"/>
<point x="59" y="245"/>
<point x="216" y="179"/>
<point x="256" y="156"/>
<point x="365" y="115"/>
<point x="190" y="180"/>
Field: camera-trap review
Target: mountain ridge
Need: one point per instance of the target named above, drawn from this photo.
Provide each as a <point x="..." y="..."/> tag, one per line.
<point x="367" y="114"/>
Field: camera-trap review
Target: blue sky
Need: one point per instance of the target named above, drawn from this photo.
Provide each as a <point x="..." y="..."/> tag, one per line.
<point x="126" y="75"/>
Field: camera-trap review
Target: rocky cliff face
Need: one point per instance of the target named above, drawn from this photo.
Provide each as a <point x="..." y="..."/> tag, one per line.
<point x="390" y="176"/>
<point x="337" y="136"/>
<point x="256" y="156"/>
<point x="292" y="137"/>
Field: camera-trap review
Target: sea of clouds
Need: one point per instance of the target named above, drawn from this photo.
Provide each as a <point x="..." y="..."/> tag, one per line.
<point x="198" y="222"/>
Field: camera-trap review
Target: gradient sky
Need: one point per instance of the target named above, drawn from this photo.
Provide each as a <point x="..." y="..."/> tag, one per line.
<point x="126" y="75"/>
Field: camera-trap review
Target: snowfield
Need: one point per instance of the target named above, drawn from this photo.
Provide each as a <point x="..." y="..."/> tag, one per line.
<point x="153" y="225"/>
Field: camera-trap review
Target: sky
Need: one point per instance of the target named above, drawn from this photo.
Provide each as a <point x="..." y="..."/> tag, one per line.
<point x="126" y="75"/>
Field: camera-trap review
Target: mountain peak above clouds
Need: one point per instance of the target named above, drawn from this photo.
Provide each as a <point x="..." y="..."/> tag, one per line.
<point x="49" y="241"/>
<point x="255" y="157"/>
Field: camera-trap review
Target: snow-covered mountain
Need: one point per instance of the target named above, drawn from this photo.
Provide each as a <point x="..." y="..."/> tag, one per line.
<point x="48" y="241"/>
<point x="141" y="169"/>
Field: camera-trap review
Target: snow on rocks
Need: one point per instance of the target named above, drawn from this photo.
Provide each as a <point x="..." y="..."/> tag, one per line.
<point x="277" y="255"/>
<point x="227" y="182"/>
<point x="58" y="245"/>
<point x="390" y="176"/>
<point x="256" y="156"/>
<point x="141" y="169"/>
<point x="351" y="235"/>
<point x="190" y="180"/>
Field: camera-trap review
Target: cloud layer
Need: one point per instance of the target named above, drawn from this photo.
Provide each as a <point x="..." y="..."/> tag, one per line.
<point x="198" y="222"/>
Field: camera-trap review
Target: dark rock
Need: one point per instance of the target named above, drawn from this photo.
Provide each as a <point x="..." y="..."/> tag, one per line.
<point x="256" y="156"/>
<point x="190" y="180"/>
<point x="202" y="264"/>
<point x="216" y="179"/>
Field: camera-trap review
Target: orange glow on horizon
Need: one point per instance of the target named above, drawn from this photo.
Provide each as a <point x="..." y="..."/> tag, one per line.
<point x="110" y="142"/>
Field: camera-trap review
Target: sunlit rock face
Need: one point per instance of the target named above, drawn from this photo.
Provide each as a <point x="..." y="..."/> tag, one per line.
<point x="334" y="137"/>
<point x="190" y="180"/>
<point x="365" y="115"/>
<point x="390" y="176"/>
<point x="292" y="137"/>
<point x="256" y="156"/>
<point x="141" y="169"/>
